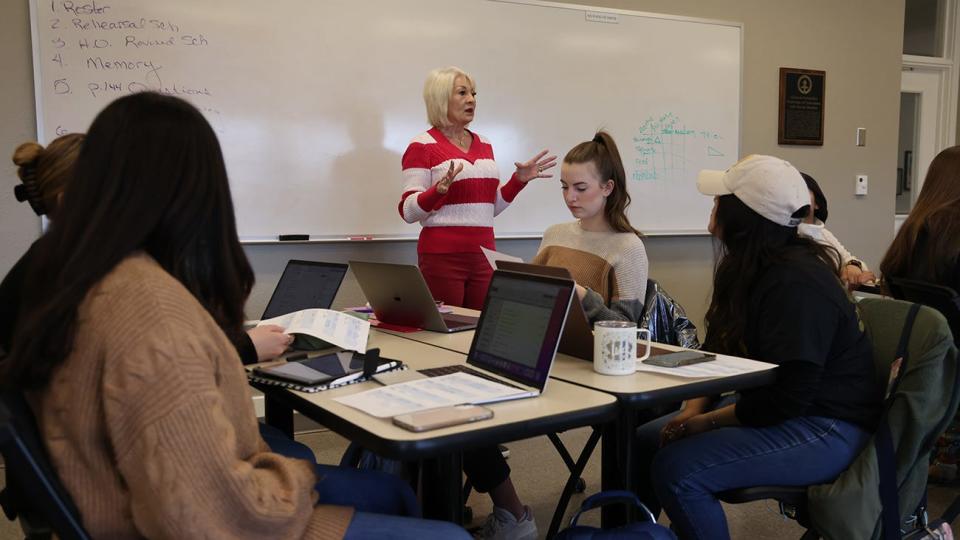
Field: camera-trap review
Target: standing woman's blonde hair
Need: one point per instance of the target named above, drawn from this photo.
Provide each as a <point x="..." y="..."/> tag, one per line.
<point x="437" y="91"/>
<point x="45" y="172"/>
<point x="603" y="153"/>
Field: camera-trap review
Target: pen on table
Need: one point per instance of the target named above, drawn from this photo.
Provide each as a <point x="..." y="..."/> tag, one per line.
<point x="354" y="376"/>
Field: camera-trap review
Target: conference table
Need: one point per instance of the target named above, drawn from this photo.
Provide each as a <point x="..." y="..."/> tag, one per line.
<point x="642" y="391"/>
<point x="562" y="406"/>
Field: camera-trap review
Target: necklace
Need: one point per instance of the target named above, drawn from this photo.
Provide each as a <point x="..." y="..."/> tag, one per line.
<point x="459" y="138"/>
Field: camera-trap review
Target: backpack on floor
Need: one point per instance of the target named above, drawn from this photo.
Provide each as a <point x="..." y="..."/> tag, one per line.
<point x="639" y="530"/>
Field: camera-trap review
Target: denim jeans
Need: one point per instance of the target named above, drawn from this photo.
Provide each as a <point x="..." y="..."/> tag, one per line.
<point x="364" y="526"/>
<point x="374" y="492"/>
<point x="279" y="443"/>
<point x="798" y="452"/>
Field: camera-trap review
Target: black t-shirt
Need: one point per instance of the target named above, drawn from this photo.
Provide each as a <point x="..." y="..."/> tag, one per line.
<point x="801" y="318"/>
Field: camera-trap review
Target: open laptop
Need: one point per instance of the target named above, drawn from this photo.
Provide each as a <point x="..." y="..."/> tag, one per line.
<point x="305" y="285"/>
<point x="399" y="295"/>
<point x="577" y="339"/>
<point x="518" y="333"/>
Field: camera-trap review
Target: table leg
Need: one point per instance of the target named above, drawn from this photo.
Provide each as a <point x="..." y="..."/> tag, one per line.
<point x="618" y="464"/>
<point x="576" y="470"/>
<point x="440" y="488"/>
<point x="278" y="415"/>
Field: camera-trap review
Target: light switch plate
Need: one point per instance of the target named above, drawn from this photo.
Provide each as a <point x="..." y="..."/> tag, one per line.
<point x="861" y="186"/>
<point x="861" y="136"/>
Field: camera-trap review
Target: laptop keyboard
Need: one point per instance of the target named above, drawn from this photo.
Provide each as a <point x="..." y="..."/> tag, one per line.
<point x="457" y="368"/>
<point x="455" y="321"/>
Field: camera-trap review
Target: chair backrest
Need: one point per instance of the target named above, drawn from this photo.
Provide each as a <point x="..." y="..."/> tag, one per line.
<point x="943" y="299"/>
<point x="33" y="492"/>
<point x="922" y="406"/>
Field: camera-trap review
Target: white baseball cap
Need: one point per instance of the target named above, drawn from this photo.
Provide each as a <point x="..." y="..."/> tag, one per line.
<point x="768" y="185"/>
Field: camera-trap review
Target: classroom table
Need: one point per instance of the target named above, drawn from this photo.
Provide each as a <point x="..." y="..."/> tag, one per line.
<point x="562" y="406"/>
<point x="635" y="394"/>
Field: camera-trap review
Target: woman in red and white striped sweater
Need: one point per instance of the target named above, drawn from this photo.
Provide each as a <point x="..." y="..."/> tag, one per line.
<point x="451" y="185"/>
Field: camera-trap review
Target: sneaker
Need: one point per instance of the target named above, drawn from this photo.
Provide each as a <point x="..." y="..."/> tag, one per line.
<point x="501" y="525"/>
<point x="504" y="451"/>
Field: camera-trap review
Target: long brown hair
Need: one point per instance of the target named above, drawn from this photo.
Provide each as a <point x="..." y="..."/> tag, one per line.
<point x="603" y="153"/>
<point x="928" y="243"/>
<point x="747" y="245"/>
<point x="45" y="172"/>
<point x="150" y="177"/>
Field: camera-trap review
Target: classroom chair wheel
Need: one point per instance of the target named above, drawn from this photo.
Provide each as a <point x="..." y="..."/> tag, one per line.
<point x="581" y="486"/>
<point x="467" y="514"/>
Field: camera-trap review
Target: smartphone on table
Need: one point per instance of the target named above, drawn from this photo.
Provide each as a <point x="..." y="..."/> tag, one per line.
<point x="442" y="417"/>
<point x="679" y="358"/>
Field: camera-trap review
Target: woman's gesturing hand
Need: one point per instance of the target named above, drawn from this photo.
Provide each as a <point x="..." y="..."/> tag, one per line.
<point x="444" y="184"/>
<point x="535" y="167"/>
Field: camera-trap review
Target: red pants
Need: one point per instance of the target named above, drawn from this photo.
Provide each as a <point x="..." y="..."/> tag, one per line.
<point x="458" y="279"/>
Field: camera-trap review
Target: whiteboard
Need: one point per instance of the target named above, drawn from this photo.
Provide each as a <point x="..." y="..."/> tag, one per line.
<point x="315" y="102"/>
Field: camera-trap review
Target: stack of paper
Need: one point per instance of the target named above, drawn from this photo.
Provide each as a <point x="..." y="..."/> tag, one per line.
<point x="494" y="256"/>
<point x="429" y="393"/>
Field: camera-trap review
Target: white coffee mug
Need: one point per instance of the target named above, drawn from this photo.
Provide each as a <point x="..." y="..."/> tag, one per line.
<point x="615" y="347"/>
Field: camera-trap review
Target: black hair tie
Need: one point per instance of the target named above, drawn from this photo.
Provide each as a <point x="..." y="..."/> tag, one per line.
<point x="29" y="191"/>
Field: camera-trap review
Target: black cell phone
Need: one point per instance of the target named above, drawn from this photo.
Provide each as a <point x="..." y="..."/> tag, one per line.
<point x="679" y="358"/>
<point x="316" y="370"/>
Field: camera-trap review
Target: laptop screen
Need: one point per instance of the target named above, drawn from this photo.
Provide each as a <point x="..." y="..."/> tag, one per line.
<point x="520" y="326"/>
<point x="305" y="285"/>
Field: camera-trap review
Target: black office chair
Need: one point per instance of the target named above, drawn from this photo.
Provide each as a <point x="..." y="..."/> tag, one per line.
<point x="943" y="299"/>
<point x="33" y="493"/>
<point x="881" y="316"/>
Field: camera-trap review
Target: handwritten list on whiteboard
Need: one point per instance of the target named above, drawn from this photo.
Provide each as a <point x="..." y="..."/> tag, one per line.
<point x="96" y="52"/>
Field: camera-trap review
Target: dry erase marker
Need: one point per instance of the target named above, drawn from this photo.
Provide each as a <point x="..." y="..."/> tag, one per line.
<point x="360" y="238"/>
<point x="293" y="237"/>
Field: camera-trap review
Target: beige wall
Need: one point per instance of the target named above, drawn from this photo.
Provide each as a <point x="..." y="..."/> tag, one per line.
<point x="857" y="42"/>
<point x="19" y="226"/>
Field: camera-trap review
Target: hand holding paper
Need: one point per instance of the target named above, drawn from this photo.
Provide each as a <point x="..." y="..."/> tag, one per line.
<point x="342" y="330"/>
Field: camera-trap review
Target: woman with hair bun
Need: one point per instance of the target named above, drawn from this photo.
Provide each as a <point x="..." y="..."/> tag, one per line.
<point x="44" y="173"/>
<point x="601" y="249"/>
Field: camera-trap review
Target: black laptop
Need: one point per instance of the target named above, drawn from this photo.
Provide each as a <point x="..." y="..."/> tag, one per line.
<point x="577" y="337"/>
<point x="305" y="285"/>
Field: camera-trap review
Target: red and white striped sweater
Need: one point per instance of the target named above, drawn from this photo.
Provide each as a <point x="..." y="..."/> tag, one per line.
<point x="462" y="219"/>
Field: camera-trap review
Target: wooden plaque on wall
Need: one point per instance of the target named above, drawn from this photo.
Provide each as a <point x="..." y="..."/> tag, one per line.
<point x="802" y="93"/>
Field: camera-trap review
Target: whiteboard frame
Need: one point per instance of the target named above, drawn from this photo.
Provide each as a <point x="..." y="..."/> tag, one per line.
<point x="261" y="240"/>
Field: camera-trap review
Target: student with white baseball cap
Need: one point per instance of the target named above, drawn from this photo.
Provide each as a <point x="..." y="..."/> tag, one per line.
<point x="768" y="185"/>
<point x="777" y="298"/>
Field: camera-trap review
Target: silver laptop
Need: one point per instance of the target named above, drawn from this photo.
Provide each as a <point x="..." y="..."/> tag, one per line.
<point x="305" y="285"/>
<point x="577" y="339"/>
<point x="399" y="295"/>
<point x="518" y="333"/>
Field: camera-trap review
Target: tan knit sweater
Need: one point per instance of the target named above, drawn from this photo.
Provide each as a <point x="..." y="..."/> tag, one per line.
<point x="150" y="425"/>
